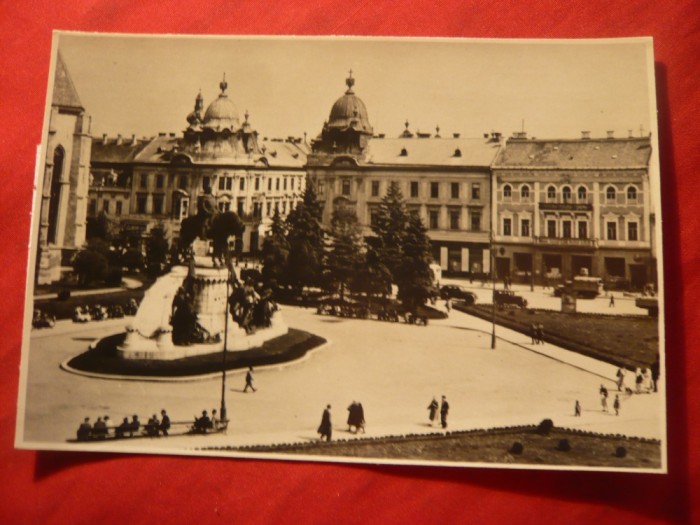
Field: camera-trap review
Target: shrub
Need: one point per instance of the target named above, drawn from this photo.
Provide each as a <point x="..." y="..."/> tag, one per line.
<point x="564" y="445"/>
<point x="516" y="448"/>
<point x="113" y="276"/>
<point x="90" y="266"/>
<point x="620" y="452"/>
<point x="545" y="427"/>
<point x="63" y="295"/>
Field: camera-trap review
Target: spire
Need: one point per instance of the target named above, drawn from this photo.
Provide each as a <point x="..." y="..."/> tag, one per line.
<point x="223" y="85"/>
<point x="437" y="131"/>
<point x="246" y="115"/>
<point x="199" y="101"/>
<point x="350" y="82"/>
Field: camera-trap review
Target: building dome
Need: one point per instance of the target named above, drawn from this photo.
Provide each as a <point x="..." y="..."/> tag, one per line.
<point x="349" y="111"/>
<point x="222" y="113"/>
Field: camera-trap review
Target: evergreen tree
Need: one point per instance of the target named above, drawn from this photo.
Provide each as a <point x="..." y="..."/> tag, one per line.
<point x="390" y="227"/>
<point x="345" y="253"/>
<point x="415" y="277"/>
<point x="275" y="251"/>
<point x="305" y="236"/>
<point x="372" y="276"/>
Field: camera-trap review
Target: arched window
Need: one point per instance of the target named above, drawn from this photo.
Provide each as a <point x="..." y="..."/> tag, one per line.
<point x="55" y="198"/>
<point x="610" y="194"/>
<point x="551" y="193"/>
<point x="525" y="193"/>
<point x="582" y="194"/>
<point x="631" y="194"/>
<point x="566" y="194"/>
<point x="506" y="191"/>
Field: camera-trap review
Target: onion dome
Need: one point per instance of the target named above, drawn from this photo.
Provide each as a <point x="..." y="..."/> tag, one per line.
<point x="349" y="112"/>
<point x="222" y="113"/>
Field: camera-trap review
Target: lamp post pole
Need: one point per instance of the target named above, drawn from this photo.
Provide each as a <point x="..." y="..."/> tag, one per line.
<point x="493" y="292"/>
<point x="222" y="409"/>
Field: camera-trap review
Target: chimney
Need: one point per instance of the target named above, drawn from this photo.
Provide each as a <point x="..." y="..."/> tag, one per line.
<point x="611" y="134"/>
<point x="119" y="139"/>
<point x="630" y="133"/>
<point x="520" y="135"/>
<point x="455" y="135"/>
<point x="133" y="139"/>
<point x="104" y="137"/>
<point x="585" y="135"/>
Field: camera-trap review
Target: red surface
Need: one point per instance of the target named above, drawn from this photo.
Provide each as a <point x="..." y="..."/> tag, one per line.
<point x="76" y="488"/>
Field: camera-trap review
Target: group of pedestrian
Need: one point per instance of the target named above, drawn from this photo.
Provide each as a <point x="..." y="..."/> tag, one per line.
<point x="356" y="417"/>
<point x="204" y="423"/>
<point x="104" y="427"/>
<point x="537" y="333"/>
<point x="645" y="380"/>
<point x="604" y="394"/>
<point x="444" y="407"/>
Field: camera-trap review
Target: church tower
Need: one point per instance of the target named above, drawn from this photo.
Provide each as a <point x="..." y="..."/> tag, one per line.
<point x="65" y="181"/>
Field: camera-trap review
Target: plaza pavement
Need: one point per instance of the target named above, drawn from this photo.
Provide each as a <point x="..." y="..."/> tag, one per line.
<point x="393" y="369"/>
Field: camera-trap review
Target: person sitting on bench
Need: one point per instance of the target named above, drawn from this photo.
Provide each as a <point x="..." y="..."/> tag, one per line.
<point x="203" y="423"/>
<point x="84" y="430"/>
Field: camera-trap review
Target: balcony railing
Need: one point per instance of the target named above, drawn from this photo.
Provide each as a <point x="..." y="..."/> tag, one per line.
<point x="567" y="241"/>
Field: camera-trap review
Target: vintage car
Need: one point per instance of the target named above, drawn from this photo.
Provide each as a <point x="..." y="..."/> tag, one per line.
<point x="506" y="298"/>
<point x="454" y="291"/>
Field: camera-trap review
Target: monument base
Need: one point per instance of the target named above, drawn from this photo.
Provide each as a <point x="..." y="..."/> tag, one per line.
<point x="149" y="337"/>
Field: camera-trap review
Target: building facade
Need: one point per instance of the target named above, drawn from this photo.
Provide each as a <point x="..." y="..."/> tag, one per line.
<point x="64" y="184"/>
<point x="158" y="181"/>
<point x="445" y="180"/>
<point x="563" y="208"/>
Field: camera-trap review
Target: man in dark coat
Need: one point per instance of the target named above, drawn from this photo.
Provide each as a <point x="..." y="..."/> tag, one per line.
<point x="84" y="430"/>
<point x="164" y="422"/>
<point x="326" y="428"/>
<point x="249" y="380"/>
<point x="444" y="410"/>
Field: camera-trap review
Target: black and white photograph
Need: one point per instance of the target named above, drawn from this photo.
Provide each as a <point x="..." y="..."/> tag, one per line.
<point x="424" y="251"/>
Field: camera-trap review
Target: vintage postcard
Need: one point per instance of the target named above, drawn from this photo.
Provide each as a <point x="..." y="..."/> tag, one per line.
<point x="381" y="250"/>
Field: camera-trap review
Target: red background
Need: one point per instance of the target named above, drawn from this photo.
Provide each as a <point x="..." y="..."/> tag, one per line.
<point x="48" y="487"/>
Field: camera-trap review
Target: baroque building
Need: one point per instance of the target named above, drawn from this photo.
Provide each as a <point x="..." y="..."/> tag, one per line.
<point x="445" y="180"/>
<point x="566" y="207"/>
<point x="157" y="181"/>
<point x="64" y="182"/>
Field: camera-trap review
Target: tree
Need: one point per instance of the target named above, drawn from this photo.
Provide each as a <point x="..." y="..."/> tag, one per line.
<point x="157" y="248"/>
<point x="415" y="277"/>
<point x="305" y="236"/>
<point x="102" y="227"/>
<point x="390" y="227"/>
<point x="372" y="277"/>
<point x="404" y="248"/>
<point x="345" y="253"/>
<point x="90" y="265"/>
<point x="275" y="251"/>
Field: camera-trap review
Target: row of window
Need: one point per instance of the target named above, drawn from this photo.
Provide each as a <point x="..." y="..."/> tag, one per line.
<point x="567" y="194"/>
<point x="414" y="189"/>
<point x="434" y="223"/>
<point x="565" y="229"/>
<point x="226" y="182"/>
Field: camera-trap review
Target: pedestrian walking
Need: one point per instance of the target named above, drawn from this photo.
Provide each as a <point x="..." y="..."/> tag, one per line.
<point x="356" y="417"/>
<point x="620" y="379"/>
<point x="444" y="410"/>
<point x="533" y="333"/>
<point x="577" y="409"/>
<point x="604" y="398"/>
<point x="611" y="304"/>
<point x="448" y="305"/>
<point x="433" y="411"/>
<point x="638" y="380"/>
<point x="655" y="373"/>
<point x="540" y="334"/>
<point x="616" y="404"/>
<point x="249" y="381"/>
<point x="325" y="429"/>
<point x="164" y="422"/>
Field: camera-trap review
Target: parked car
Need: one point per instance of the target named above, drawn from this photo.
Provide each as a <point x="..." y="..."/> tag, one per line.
<point x="504" y="298"/>
<point x="454" y="291"/>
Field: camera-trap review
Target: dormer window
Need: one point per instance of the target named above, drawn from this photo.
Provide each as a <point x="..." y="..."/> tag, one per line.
<point x="458" y="152"/>
<point x="404" y="152"/>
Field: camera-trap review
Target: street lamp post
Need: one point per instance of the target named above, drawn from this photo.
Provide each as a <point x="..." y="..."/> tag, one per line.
<point x="493" y="292"/>
<point x="222" y="409"/>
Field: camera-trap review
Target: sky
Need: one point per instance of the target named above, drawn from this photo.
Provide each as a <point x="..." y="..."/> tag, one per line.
<point x="145" y="85"/>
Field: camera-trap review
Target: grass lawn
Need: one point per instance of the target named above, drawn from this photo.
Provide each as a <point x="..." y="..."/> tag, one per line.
<point x="105" y="360"/>
<point x="630" y="341"/>
<point x="492" y="446"/>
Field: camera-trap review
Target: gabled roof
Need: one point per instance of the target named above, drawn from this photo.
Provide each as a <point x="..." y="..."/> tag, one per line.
<point x="431" y="152"/>
<point x="575" y="154"/>
<point x="64" y="92"/>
